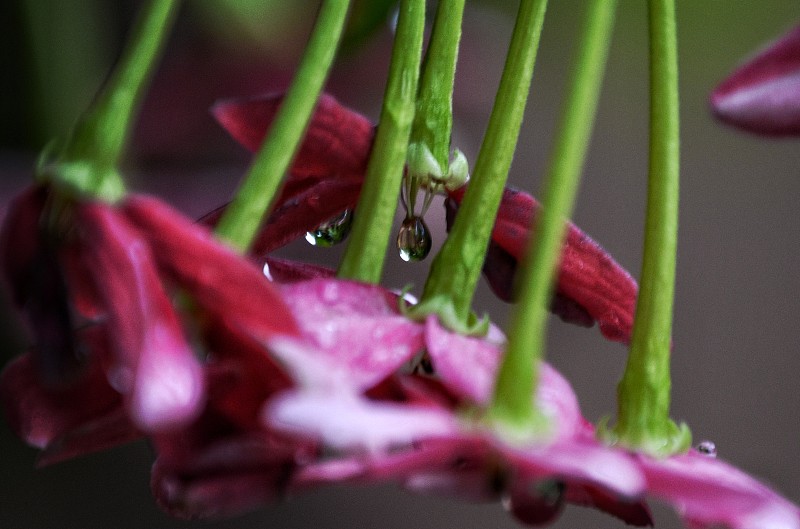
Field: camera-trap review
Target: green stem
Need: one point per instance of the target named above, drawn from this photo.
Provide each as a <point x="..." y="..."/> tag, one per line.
<point x="366" y="251"/>
<point x="433" y="120"/>
<point x="243" y="217"/>
<point x="456" y="269"/>
<point x="644" y="392"/>
<point x="88" y="161"/>
<point x="518" y="375"/>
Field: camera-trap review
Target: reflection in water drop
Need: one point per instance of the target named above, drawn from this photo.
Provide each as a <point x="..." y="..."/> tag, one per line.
<point x="707" y="448"/>
<point x="332" y="232"/>
<point x="414" y="239"/>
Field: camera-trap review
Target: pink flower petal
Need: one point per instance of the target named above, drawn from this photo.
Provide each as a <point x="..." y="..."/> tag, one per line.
<point x="153" y="363"/>
<point x="352" y="328"/>
<point x="708" y="492"/>
<point x="350" y="423"/>
<point x="763" y="95"/>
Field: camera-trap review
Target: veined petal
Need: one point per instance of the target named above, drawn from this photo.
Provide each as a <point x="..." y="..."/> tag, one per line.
<point x="588" y="277"/>
<point x="763" y="94"/>
<point x="337" y="142"/>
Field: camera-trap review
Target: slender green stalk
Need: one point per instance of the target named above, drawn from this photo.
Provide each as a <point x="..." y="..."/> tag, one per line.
<point x="433" y="120"/>
<point x="87" y="163"/>
<point x="644" y="392"/>
<point x="244" y="215"/>
<point x="366" y="251"/>
<point x="518" y="375"/>
<point x="456" y="269"/>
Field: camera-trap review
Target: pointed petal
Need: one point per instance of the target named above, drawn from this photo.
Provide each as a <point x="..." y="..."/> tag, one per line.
<point x="337" y="142"/>
<point x="222" y="282"/>
<point x="589" y="279"/>
<point x="763" y="95"/>
<point x="153" y="364"/>
<point x="708" y="492"/>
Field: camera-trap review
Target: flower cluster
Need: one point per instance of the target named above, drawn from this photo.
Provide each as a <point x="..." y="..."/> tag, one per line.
<point x="248" y="389"/>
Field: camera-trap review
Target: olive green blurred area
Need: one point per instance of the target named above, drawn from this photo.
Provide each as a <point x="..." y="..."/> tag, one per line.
<point x="736" y="335"/>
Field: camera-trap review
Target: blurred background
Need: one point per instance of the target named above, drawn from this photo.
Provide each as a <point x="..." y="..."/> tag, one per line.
<point x="736" y="360"/>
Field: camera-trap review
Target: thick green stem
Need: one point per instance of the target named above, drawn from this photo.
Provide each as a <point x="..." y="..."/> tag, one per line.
<point x="644" y="392"/>
<point x="366" y="251"/>
<point x="518" y="376"/>
<point x="244" y="215"/>
<point x="87" y="163"/>
<point x="456" y="269"/>
<point x="433" y="120"/>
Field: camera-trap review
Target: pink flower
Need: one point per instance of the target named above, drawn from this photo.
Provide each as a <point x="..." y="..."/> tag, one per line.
<point x="763" y="94"/>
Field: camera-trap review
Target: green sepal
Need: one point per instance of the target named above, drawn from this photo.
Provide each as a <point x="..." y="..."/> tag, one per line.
<point x="444" y="308"/>
<point x="670" y="439"/>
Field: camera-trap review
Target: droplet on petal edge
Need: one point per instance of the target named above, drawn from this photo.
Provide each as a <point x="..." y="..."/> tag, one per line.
<point x="414" y="239"/>
<point x="332" y="232"/>
<point x="707" y="448"/>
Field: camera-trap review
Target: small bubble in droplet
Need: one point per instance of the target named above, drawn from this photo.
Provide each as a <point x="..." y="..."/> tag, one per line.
<point x="332" y="232"/>
<point x="413" y="239"/>
<point x="707" y="448"/>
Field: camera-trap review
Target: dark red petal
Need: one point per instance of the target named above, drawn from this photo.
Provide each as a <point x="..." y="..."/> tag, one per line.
<point x="763" y="95"/>
<point x="589" y="281"/>
<point x="67" y="422"/>
<point x="287" y="271"/>
<point x="153" y="364"/>
<point x="336" y="144"/>
<point x="631" y="512"/>
<point x="222" y="282"/>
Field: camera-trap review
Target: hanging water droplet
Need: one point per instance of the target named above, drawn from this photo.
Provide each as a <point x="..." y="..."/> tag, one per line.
<point x="707" y="448"/>
<point x="413" y="239"/>
<point x="332" y="232"/>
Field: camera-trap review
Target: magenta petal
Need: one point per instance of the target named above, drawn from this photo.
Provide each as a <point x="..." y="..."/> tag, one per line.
<point x="466" y="365"/>
<point x="354" y="329"/>
<point x="288" y="271"/>
<point x="763" y="95"/>
<point x="153" y="363"/>
<point x="708" y="492"/>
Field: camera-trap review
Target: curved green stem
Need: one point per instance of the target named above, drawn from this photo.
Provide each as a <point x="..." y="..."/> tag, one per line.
<point x="644" y="392"/>
<point x="518" y="375"/>
<point x="87" y="163"/>
<point x="366" y="250"/>
<point x="456" y="269"/>
<point x="244" y="215"/>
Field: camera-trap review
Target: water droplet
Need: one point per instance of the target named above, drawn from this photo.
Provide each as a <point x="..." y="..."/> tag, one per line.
<point x="707" y="448"/>
<point x="332" y="232"/>
<point x="414" y="239"/>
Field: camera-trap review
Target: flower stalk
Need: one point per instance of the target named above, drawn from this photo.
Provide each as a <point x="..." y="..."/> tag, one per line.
<point x="366" y="251"/>
<point x="242" y="219"/>
<point x="644" y="392"/>
<point x="456" y="269"/>
<point x="433" y="120"/>
<point x="87" y="163"/>
<point x="519" y="372"/>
